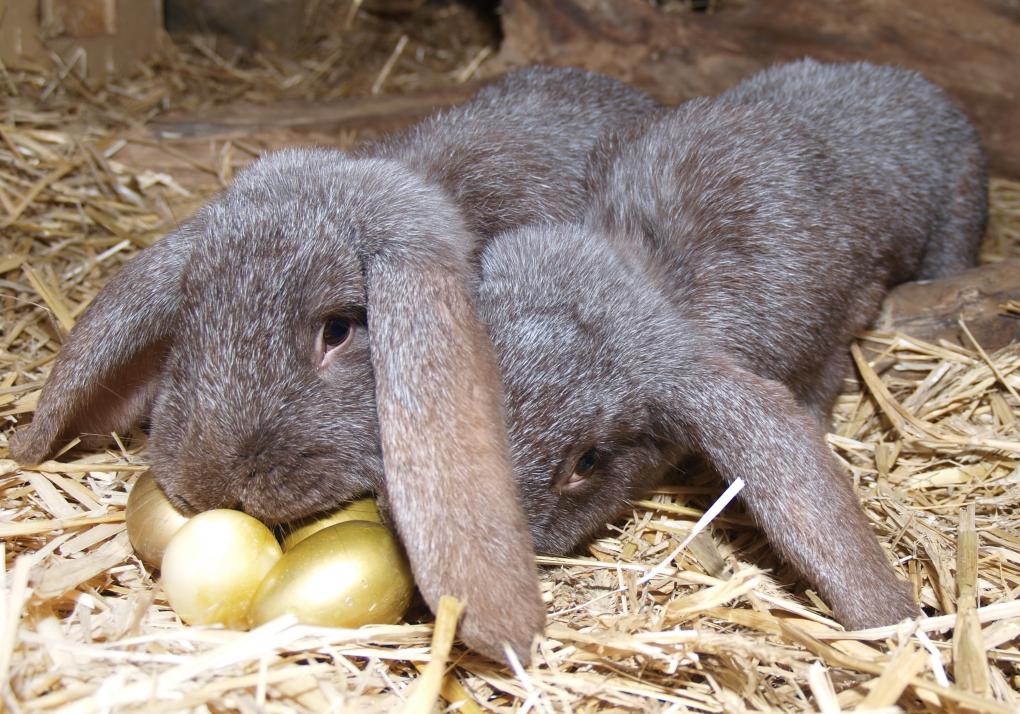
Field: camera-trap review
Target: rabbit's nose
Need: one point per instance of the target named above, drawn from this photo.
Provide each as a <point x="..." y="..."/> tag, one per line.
<point x="260" y="457"/>
<point x="254" y="450"/>
<point x="256" y="464"/>
<point x="251" y="463"/>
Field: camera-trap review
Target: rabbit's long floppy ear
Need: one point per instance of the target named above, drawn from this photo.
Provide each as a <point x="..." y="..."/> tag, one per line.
<point x="104" y="376"/>
<point x="752" y="428"/>
<point x="445" y="452"/>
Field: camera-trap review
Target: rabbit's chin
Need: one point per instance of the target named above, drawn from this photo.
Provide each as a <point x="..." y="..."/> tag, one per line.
<point x="568" y="530"/>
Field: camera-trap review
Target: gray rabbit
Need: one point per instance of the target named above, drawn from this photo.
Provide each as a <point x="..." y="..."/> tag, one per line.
<point x="324" y="305"/>
<point x="705" y="305"/>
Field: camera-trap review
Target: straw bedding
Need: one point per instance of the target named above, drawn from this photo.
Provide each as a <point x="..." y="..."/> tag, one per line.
<point x="636" y="623"/>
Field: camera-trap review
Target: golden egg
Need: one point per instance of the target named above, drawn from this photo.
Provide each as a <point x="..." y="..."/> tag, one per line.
<point x="151" y="520"/>
<point x="214" y="564"/>
<point x="347" y="575"/>
<point x="361" y="510"/>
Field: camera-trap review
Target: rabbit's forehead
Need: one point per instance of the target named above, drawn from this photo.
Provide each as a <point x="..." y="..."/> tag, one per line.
<point x="239" y="267"/>
<point x="559" y="374"/>
<point x="283" y="232"/>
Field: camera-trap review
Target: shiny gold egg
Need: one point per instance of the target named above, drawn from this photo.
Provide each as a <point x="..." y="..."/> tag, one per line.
<point x="347" y="575"/>
<point x="151" y="520"/>
<point x="214" y="564"/>
<point x="361" y="510"/>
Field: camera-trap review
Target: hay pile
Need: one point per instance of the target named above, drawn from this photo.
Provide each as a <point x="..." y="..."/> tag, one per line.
<point x="932" y="441"/>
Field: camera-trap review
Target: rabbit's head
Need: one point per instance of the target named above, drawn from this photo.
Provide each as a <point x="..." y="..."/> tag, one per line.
<point x="608" y="384"/>
<point x="320" y="307"/>
<point x="576" y="330"/>
<point x="251" y="322"/>
<point x="266" y="402"/>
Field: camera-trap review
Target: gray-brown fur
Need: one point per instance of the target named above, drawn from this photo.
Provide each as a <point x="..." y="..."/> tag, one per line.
<point x="213" y="332"/>
<point x="706" y="303"/>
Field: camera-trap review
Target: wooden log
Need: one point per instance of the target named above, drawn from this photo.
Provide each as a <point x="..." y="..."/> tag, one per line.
<point x="931" y="311"/>
<point x="969" y="47"/>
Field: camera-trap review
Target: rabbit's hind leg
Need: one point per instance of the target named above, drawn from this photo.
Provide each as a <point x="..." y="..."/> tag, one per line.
<point x="954" y="245"/>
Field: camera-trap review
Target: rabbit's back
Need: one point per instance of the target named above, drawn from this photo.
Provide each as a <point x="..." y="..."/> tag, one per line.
<point x="905" y="152"/>
<point x="777" y="216"/>
<point x="516" y="153"/>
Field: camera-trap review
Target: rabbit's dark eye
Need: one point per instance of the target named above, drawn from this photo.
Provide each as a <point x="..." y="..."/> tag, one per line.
<point x="336" y="332"/>
<point x="585" y="464"/>
<point x="583" y="469"/>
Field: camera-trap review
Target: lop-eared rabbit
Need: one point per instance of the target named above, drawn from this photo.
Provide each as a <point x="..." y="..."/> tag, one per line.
<point x="324" y="305"/>
<point x="706" y="303"/>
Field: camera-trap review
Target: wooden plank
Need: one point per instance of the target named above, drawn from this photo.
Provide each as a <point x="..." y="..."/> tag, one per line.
<point x="80" y="18"/>
<point x="92" y="38"/>
<point x="378" y="112"/>
<point x="192" y="146"/>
